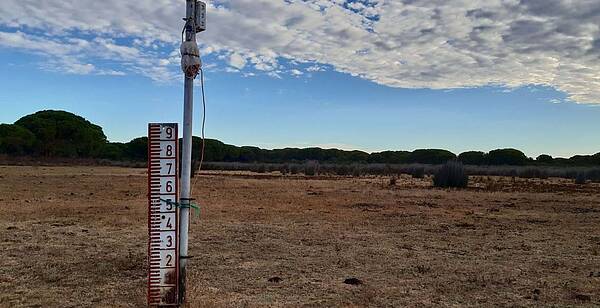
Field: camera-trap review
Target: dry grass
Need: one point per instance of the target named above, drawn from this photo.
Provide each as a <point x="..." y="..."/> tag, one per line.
<point x="76" y="236"/>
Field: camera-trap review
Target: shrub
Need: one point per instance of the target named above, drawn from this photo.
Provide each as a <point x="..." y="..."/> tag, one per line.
<point x="261" y="168"/>
<point x="533" y="173"/>
<point x="571" y="174"/>
<point x="393" y="181"/>
<point x="387" y="170"/>
<point x="580" y="179"/>
<point x="294" y="169"/>
<point x="452" y="174"/>
<point x="356" y="171"/>
<point x="373" y="169"/>
<point x="342" y="170"/>
<point x="418" y="172"/>
<point x="593" y="175"/>
<point x="311" y="168"/>
<point x="195" y="167"/>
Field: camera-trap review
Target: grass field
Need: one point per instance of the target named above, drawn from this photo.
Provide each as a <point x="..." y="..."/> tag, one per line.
<point x="76" y="237"/>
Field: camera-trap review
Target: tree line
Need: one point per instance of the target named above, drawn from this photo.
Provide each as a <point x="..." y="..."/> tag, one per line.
<point x="60" y="134"/>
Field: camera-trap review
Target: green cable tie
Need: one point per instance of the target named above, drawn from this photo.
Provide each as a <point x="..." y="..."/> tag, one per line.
<point x="192" y="206"/>
<point x="184" y="206"/>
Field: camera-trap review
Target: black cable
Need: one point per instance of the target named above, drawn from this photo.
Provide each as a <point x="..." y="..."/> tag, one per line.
<point x="203" y="117"/>
<point x="203" y="126"/>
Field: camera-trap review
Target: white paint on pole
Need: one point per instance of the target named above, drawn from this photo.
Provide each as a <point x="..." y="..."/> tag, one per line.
<point x="190" y="65"/>
<point x="163" y="218"/>
<point x="186" y="172"/>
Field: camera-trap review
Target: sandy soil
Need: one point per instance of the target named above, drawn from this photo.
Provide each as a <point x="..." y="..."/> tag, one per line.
<point x="76" y="237"/>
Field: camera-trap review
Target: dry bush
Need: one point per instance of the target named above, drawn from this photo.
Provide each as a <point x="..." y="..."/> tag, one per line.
<point x="294" y="169"/>
<point x="356" y="171"/>
<point x="581" y="178"/>
<point x="311" y="168"/>
<point x="533" y="173"/>
<point x="414" y="170"/>
<point x="452" y="174"/>
<point x="593" y="175"/>
<point x="342" y="170"/>
<point x="418" y="172"/>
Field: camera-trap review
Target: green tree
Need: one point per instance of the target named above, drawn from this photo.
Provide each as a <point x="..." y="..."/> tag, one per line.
<point x="250" y="154"/>
<point x="507" y="157"/>
<point x="390" y="157"/>
<point x="472" y="158"/>
<point x="114" y="151"/>
<point x="431" y="156"/>
<point x="585" y="160"/>
<point x="63" y="134"/>
<point x="16" y="140"/>
<point x="137" y="149"/>
<point x="544" y="159"/>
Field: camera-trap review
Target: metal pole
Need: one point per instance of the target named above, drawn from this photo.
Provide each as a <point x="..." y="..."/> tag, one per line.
<point x="186" y="170"/>
<point x="186" y="162"/>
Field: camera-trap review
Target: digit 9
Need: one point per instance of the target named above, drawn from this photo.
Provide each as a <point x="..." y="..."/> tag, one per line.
<point x="169" y="132"/>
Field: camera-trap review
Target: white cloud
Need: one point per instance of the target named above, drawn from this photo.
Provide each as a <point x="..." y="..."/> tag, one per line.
<point x="237" y="61"/>
<point x="79" y="69"/>
<point x="72" y="55"/>
<point x="315" y="68"/>
<point x="275" y="74"/>
<point x="439" y="44"/>
<point x="555" y="101"/>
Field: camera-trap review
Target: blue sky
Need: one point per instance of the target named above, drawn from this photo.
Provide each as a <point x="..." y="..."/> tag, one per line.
<point x="310" y="87"/>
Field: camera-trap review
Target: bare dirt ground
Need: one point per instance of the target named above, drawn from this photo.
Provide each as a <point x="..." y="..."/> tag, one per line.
<point x="76" y="237"/>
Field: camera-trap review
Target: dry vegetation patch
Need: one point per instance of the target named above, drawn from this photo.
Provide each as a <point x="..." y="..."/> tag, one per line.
<point x="76" y="236"/>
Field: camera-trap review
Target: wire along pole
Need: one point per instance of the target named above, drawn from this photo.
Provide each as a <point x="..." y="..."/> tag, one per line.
<point x="190" y="64"/>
